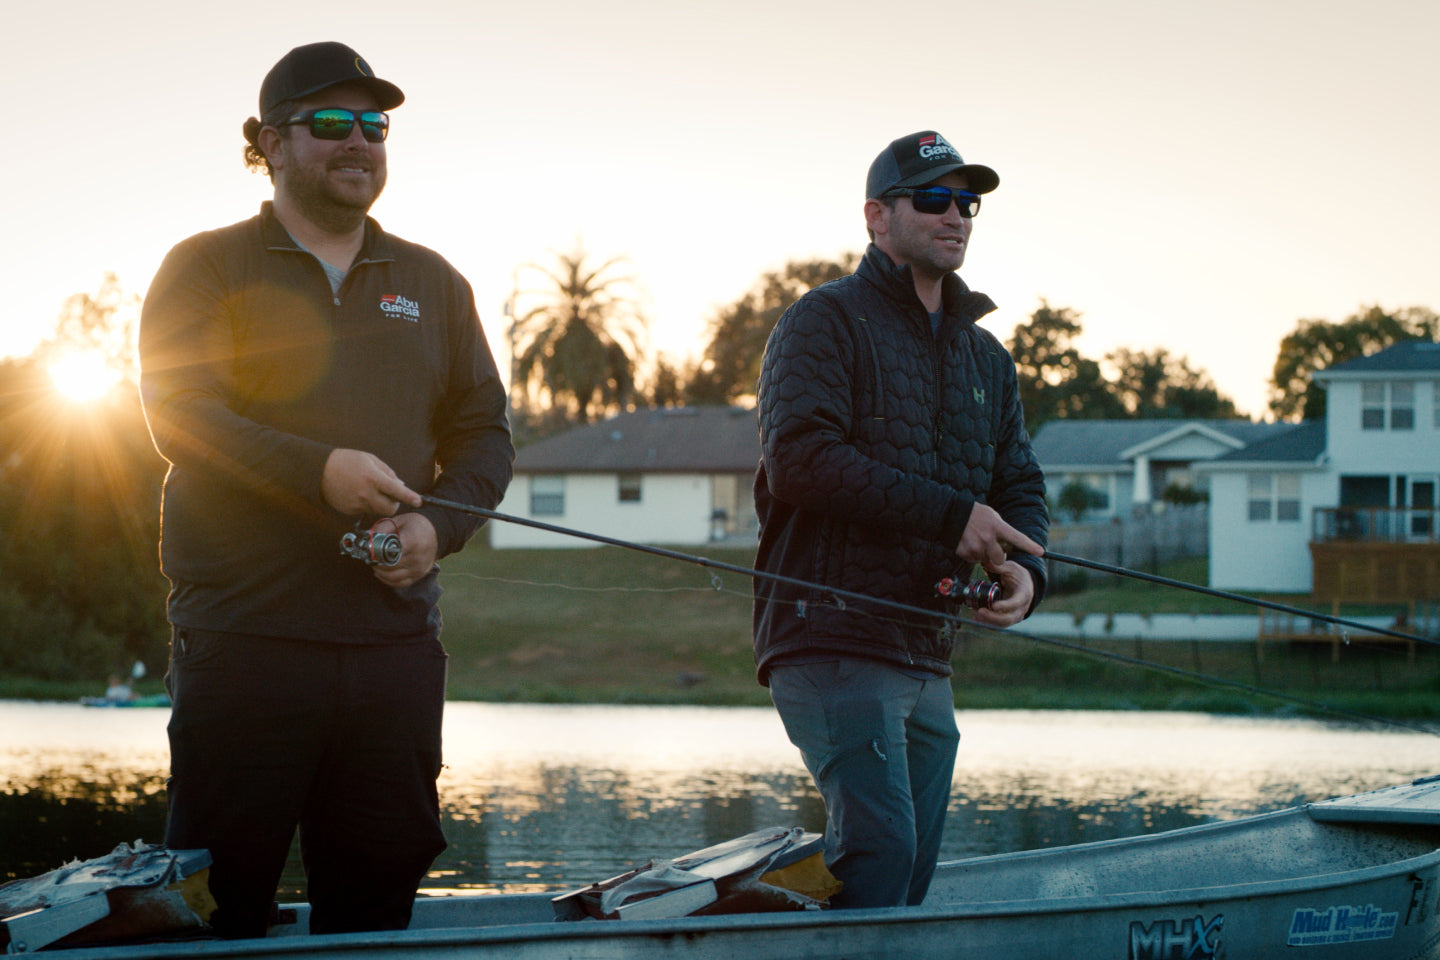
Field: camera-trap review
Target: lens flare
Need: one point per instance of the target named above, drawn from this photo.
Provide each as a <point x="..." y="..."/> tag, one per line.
<point x="83" y="376"/>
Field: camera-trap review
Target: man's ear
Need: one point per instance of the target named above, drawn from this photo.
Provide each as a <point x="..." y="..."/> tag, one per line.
<point x="877" y="217"/>
<point x="272" y="144"/>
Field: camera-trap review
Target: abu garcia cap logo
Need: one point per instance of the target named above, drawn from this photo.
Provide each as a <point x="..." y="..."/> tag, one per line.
<point x="935" y="145"/>
<point x="396" y="305"/>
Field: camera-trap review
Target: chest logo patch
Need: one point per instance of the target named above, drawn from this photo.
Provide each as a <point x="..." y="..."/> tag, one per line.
<point x="979" y="394"/>
<point x="394" y="305"/>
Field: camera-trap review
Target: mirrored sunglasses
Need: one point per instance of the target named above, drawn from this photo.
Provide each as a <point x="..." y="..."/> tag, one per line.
<point x="938" y="199"/>
<point x="335" y="123"/>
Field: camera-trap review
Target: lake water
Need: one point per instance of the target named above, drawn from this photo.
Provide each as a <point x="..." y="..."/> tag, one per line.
<point x="539" y="797"/>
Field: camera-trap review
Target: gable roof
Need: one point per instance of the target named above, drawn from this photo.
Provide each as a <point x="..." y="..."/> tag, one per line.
<point x="1408" y="356"/>
<point x="667" y="440"/>
<point x="1104" y="444"/>
<point x="1295" y="443"/>
<point x="1184" y="429"/>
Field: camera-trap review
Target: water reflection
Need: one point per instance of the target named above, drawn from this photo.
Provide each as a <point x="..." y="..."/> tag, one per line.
<point x="545" y="797"/>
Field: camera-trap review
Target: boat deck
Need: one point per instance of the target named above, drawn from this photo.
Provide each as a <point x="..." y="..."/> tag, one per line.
<point x="1271" y="847"/>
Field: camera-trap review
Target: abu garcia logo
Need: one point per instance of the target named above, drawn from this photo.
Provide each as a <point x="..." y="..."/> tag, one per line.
<point x="397" y="306"/>
<point x="936" y="145"/>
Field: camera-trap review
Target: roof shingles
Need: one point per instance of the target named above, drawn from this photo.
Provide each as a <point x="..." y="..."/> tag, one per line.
<point x="668" y="440"/>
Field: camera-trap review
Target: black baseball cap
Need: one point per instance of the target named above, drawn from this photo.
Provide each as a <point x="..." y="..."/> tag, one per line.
<point x="922" y="158"/>
<point x="315" y="66"/>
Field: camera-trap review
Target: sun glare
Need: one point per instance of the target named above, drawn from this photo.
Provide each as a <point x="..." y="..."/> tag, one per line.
<point x="83" y="376"/>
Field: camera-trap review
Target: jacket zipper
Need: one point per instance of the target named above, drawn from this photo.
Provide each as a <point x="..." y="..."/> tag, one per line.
<point x="875" y="401"/>
<point x="936" y="420"/>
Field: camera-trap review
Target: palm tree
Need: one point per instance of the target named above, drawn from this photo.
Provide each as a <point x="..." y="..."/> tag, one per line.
<point x="581" y="344"/>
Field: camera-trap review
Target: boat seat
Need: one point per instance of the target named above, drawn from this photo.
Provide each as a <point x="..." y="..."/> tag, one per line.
<point x="130" y="893"/>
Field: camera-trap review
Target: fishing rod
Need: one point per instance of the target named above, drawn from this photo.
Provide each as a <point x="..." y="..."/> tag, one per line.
<point x="1237" y="597"/>
<point x="973" y="594"/>
<point x="695" y="559"/>
<point x="359" y="544"/>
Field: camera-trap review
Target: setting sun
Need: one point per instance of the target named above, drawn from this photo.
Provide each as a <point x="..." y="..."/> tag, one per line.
<point x="83" y="376"/>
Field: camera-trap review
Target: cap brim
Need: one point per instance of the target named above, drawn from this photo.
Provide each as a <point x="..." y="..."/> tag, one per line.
<point x="387" y="95"/>
<point x="979" y="178"/>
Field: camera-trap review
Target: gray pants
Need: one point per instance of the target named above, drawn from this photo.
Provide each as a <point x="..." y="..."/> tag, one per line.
<point x="881" y="746"/>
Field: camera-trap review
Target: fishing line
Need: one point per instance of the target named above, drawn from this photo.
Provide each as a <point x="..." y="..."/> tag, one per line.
<point x="1013" y="634"/>
<point x="1238" y="597"/>
<point x="671" y="554"/>
<point x="842" y="595"/>
<point x="1232" y="684"/>
<point x="779" y="578"/>
<point x="511" y="581"/>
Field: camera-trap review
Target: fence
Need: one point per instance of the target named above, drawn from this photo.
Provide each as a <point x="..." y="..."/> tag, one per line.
<point x="1141" y="542"/>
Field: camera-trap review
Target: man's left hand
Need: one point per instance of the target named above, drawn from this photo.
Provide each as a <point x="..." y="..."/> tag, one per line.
<point x="418" y="546"/>
<point x="1017" y="590"/>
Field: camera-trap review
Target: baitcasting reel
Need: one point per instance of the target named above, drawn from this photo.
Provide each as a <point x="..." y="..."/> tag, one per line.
<point x="975" y="594"/>
<point x="376" y="549"/>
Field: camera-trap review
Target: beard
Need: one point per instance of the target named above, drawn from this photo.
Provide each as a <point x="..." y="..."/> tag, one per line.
<point x="333" y="204"/>
<point x="918" y="248"/>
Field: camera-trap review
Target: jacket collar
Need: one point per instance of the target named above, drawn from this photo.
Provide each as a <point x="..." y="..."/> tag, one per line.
<point x="376" y="245"/>
<point x="897" y="282"/>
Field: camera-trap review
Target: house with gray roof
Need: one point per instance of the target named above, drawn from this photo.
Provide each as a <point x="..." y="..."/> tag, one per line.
<point x="1127" y="464"/>
<point x="677" y="475"/>
<point x="1261" y="497"/>
<point x="1345" y="508"/>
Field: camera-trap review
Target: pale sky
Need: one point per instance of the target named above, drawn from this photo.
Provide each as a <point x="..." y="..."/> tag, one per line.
<point x="1189" y="175"/>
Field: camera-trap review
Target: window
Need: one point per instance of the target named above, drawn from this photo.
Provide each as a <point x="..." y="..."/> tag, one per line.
<point x="1372" y="406"/>
<point x="1377" y="397"/>
<point x="1273" y="496"/>
<point x="547" y="496"/>
<point x="1287" y="497"/>
<point x="629" y="487"/>
<point x="1422" y="504"/>
<point x="1402" y="406"/>
<point x="1099" y="486"/>
<point x="1258" y="495"/>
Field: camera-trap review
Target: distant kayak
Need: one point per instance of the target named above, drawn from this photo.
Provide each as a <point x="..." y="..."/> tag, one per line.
<point x="154" y="700"/>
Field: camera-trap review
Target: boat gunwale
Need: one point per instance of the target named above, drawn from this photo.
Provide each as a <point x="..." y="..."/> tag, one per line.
<point x="1300" y="813"/>
<point x="442" y="937"/>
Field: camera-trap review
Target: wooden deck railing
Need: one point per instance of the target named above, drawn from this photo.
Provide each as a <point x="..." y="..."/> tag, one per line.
<point x="1376" y="524"/>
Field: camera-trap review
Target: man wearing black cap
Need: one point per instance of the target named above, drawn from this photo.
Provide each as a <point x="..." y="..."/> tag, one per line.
<point x="308" y="376"/>
<point x="893" y="456"/>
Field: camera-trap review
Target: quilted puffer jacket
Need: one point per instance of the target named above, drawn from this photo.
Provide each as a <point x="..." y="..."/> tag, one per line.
<point x="877" y="438"/>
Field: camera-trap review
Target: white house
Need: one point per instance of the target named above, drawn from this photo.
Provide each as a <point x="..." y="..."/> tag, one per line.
<point x="679" y="476"/>
<point x="1127" y="464"/>
<point x="1261" y="499"/>
<point x="1359" y="488"/>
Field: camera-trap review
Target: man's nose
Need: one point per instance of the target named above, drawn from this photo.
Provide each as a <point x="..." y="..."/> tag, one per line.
<point x="357" y="136"/>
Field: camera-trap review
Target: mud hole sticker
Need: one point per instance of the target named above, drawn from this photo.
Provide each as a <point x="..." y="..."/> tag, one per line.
<point x="1311" y="928"/>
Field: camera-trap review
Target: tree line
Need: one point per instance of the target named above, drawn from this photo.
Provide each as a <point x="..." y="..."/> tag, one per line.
<point x="581" y="355"/>
<point x="81" y="595"/>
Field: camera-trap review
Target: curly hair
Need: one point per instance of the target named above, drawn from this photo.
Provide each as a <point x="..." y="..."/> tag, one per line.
<point x="255" y="157"/>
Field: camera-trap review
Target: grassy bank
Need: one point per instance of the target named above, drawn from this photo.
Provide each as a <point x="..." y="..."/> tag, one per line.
<point x="609" y="625"/>
<point x="613" y="625"/>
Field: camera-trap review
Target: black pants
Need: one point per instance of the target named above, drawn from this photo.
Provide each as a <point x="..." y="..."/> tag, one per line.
<point x="341" y="740"/>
